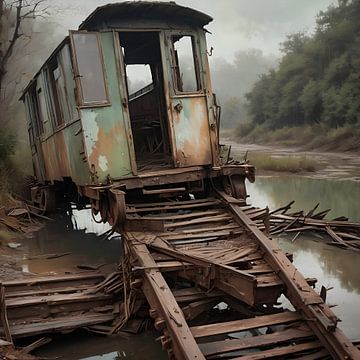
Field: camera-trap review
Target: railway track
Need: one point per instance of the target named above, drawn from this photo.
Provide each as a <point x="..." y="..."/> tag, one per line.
<point x="213" y="280"/>
<point x="216" y="286"/>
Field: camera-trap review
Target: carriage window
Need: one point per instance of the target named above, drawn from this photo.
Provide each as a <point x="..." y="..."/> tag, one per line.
<point x="35" y="110"/>
<point x="185" y="69"/>
<point x="55" y="83"/>
<point x="90" y="67"/>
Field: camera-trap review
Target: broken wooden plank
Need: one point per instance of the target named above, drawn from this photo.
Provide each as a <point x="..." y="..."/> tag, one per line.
<point x="173" y="207"/>
<point x="58" y="324"/>
<point x="201" y="220"/>
<point x="281" y="351"/>
<point x="273" y="339"/>
<point x="244" y="324"/>
<point x="36" y="344"/>
<point x="3" y="315"/>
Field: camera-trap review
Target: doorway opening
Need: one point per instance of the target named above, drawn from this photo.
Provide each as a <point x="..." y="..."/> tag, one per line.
<point x="146" y="98"/>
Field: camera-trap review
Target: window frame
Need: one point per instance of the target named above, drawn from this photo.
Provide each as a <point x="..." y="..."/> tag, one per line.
<point x="57" y="110"/>
<point x="77" y="76"/>
<point x="35" y="111"/>
<point x="175" y="64"/>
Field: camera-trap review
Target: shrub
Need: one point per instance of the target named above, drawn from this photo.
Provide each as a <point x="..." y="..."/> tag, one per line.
<point x="7" y="146"/>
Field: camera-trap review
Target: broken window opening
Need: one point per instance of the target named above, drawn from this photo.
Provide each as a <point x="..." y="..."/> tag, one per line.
<point x="139" y="77"/>
<point x="185" y="66"/>
<point x="55" y="76"/>
<point x="145" y="91"/>
<point x="91" y="75"/>
<point x="35" y="111"/>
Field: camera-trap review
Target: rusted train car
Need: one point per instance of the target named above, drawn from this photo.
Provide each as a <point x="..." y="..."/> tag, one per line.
<point x="124" y="107"/>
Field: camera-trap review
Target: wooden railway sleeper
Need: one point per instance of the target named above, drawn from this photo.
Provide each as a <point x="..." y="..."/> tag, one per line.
<point x="307" y="302"/>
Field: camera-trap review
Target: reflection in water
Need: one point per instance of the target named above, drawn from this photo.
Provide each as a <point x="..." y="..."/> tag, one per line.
<point x="332" y="267"/>
<point x="342" y="197"/>
<point x="89" y="347"/>
<point x="76" y="234"/>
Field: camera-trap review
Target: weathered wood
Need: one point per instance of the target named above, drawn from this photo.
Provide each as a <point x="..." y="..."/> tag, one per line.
<point x="160" y="297"/>
<point x="221" y="347"/>
<point x="300" y="293"/>
<point x="193" y="214"/>
<point x="59" y="324"/>
<point x="173" y="207"/>
<point x="3" y="315"/>
<point x="283" y="351"/>
<point x="194" y="309"/>
<point x="52" y="281"/>
<point x="36" y="344"/>
<point x="338" y="239"/>
<point x="194" y="294"/>
<point x="243" y="325"/>
<point x="201" y="220"/>
<point x="229" y="226"/>
<point x="201" y="235"/>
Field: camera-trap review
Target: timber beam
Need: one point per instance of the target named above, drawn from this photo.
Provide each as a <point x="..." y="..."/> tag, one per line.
<point x="311" y="306"/>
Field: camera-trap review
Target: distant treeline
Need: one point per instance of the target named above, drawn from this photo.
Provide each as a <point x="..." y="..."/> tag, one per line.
<point x="318" y="78"/>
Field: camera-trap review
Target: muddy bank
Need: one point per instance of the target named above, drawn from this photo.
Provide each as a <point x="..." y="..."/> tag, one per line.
<point x="332" y="165"/>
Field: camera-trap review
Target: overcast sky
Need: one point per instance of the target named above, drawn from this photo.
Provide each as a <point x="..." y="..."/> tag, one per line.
<point x="237" y="24"/>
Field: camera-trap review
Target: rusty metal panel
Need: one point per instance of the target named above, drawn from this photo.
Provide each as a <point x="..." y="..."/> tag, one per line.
<point x="51" y="164"/>
<point x="191" y="130"/>
<point x="153" y="14"/>
<point x="187" y="111"/>
<point x="104" y="129"/>
<point x="77" y="166"/>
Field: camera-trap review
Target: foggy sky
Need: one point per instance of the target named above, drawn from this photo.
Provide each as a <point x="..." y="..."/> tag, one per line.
<point x="237" y="24"/>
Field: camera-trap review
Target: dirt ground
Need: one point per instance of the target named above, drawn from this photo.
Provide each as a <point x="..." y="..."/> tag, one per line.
<point x="333" y="165"/>
<point x="11" y="258"/>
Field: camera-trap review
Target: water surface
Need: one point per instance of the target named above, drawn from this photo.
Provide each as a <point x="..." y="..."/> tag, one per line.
<point x="333" y="267"/>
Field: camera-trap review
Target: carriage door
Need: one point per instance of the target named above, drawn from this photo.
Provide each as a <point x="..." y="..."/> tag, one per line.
<point x="188" y="114"/>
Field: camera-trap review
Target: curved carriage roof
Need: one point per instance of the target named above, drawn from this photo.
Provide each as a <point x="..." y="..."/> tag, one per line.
<point x="146" y="10"/>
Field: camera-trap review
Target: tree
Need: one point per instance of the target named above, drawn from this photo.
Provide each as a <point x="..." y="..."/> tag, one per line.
<point x="318" y="76"/>
<point x="13" y="13"/>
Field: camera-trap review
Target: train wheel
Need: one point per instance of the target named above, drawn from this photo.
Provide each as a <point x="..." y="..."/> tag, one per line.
<point x="44" y="198"/>
<point x="117" y="208"/>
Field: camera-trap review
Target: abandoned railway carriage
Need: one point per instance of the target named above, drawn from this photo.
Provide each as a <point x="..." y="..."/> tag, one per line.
<point x="123" y="114"/>
<point x="124" y="103"/>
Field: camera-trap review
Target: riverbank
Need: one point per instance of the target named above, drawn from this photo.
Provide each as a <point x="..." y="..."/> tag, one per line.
<point x="316" y="163"/>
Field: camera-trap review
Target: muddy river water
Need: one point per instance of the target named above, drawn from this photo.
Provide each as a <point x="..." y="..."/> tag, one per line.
<point x="80" y="236"/>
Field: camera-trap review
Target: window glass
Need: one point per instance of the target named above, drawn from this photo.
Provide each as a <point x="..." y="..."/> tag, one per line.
<point x="185" y="70"/>
<point x="90" y="68"/>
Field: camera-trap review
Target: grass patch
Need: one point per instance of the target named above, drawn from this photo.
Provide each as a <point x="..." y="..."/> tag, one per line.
<point x="292" y="164"/>
<point x="319" y="136"/>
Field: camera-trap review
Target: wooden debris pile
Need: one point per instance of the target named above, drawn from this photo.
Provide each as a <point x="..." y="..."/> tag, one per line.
<point x="20" y="217"/>
<point x="52" y="304"/>
<point x="343" y="233"/>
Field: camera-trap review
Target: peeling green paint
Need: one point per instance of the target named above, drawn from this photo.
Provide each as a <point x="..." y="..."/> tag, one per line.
<point x="104" y="127"/>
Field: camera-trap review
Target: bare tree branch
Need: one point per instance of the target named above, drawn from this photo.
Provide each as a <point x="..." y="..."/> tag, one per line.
<point x="24" y="9"/>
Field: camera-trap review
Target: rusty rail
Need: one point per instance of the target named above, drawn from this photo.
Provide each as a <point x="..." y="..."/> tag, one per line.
<point x="204" y="252"/>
